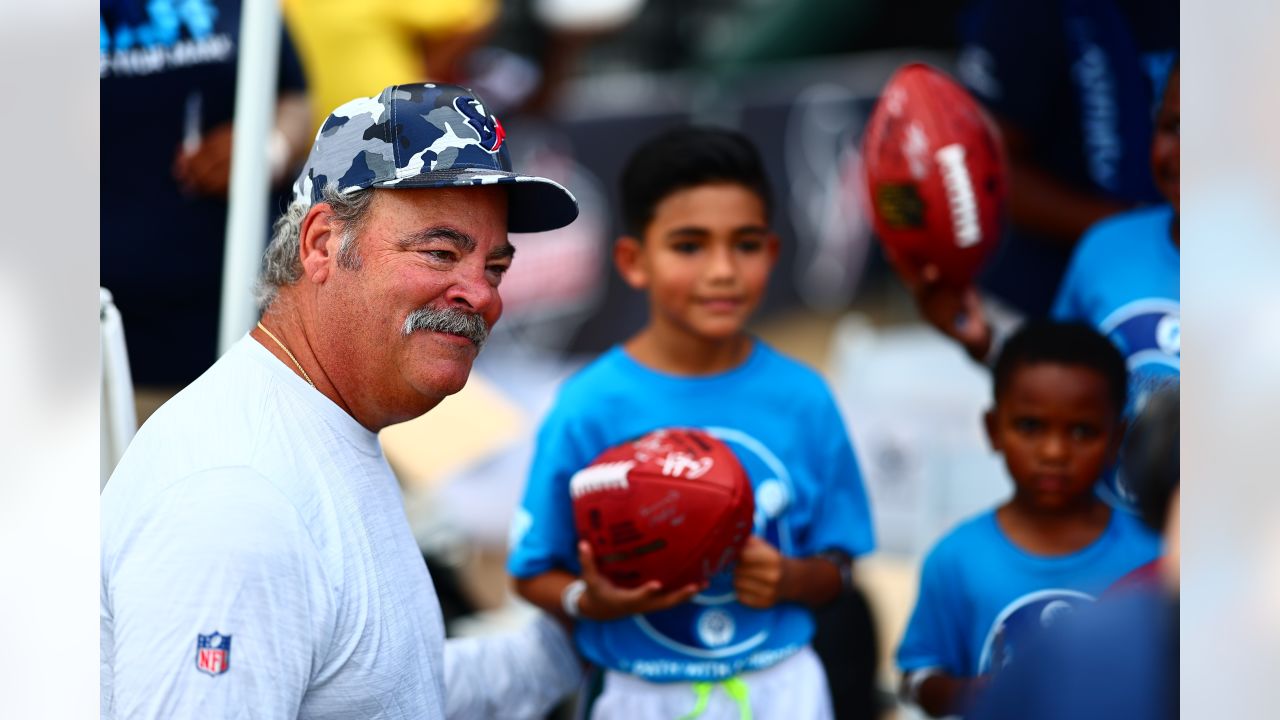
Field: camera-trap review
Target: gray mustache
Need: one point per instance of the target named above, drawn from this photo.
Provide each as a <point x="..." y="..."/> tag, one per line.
<point x="451" y="320"/>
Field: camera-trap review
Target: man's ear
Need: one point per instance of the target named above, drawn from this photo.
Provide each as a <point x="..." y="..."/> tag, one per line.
<point x="991" y="423"/>
<point x="318" y="241"/>
<point x="628" y="257"/>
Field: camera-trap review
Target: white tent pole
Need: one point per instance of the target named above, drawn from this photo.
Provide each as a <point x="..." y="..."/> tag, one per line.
<point x="256" y="71"/>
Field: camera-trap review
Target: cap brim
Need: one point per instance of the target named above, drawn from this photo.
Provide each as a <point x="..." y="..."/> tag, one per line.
<point x="534" y="204"/>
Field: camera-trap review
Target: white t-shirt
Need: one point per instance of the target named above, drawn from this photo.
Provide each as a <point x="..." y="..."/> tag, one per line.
<point x="257" y="563"/>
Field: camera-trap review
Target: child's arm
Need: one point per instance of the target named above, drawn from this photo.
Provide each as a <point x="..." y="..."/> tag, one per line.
<point x="765" y="577"/>
<point x="938" y="693"/>
<point x="599" y="599"/>
<point x="935" y="653"/>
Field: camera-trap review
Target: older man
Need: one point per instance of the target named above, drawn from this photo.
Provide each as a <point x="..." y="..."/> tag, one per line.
<point x="256" y="560"/>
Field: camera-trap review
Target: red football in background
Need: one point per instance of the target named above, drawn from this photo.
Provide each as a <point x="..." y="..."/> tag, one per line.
<point x="935" y="172"/>
<point x="674" y="505"/>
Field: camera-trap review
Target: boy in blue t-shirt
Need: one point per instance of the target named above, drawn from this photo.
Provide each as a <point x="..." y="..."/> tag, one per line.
<point x="995" y="580"/>
<point x="699" y="244"/>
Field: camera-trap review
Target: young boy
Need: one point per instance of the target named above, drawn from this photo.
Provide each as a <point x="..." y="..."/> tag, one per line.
<point x="996" y="579"/>
<point x="696" y="209"/>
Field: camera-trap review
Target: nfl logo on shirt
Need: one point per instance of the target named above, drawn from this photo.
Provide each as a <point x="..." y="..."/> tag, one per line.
<point x="213" y="653"/>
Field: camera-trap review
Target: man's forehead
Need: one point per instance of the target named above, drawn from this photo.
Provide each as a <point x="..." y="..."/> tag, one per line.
<point x="456" y="202"/>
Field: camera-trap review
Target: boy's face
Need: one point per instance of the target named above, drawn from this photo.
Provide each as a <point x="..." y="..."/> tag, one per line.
<point x="704" y="259"/>
<point x="1164" y="145"/>
<point x="1058" y="430"/>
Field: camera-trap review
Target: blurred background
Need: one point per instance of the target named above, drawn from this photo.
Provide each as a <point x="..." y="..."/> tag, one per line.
<point x="51" y="364"/>
<point x="578" y="85"/>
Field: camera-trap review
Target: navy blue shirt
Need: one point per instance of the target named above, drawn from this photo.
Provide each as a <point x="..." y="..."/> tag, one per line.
<point x="168" y="68"/>
<point x="1082" y="80"/>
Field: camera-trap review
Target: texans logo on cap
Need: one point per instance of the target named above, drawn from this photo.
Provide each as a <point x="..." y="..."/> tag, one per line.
<point x="426" y="135"/>
<point x="491" y="132"/>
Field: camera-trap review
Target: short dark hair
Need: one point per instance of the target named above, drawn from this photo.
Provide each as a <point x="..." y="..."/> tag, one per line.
<point x="1076" y="344"/>
<point x="685" y="157"/>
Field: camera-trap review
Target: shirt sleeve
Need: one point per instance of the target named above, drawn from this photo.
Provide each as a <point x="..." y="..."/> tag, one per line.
<point x="543" y="536"/>
<point x="515" y="675"/>
<point x="935" y="633"/>
<point x="842" y="519"/>
<point x="221" y="554"/>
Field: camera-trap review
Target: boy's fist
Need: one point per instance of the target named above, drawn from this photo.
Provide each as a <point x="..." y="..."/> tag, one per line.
<point x="760" y="574"/>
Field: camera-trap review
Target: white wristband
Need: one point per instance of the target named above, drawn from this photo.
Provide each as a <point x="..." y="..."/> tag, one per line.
<point x="570" y="596"/>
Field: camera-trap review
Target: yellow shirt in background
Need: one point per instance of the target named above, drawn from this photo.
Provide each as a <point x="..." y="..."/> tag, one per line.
<point x="354" y="48"/>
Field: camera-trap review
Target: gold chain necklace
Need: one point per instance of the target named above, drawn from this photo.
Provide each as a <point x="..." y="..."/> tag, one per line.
<point x="286" y="352"/>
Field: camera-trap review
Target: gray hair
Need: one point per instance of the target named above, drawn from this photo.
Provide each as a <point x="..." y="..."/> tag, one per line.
<point x="282" y="265"/>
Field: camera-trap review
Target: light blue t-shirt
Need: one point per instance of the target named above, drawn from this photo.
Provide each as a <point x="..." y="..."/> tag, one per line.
<point x="1124" y="281"/>
<point x="780" y="420"/>
<point x="982" y="597"/>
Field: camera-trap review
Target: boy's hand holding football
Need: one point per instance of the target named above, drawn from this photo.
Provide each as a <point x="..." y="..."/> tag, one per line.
<point x="603" y="600"/>
<point x="759" y="576"/>
<point x="765" y="577"/>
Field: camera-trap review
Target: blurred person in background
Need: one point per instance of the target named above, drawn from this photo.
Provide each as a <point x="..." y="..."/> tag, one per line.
<point x="256" y="558"/>
<point x="168" y="82"/>
<point x="1119" y="660"/>
<point x="1074" y="85"/>
<point x="1124" y="275"/>
<point x="352" y="49"/>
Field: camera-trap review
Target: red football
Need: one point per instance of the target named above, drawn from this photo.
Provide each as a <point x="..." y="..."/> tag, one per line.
<point x="935" y="174"/>
<point x="674" y="505"/>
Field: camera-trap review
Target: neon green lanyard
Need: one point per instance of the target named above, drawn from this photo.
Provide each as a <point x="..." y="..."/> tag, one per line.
<point x="733" y="687"/>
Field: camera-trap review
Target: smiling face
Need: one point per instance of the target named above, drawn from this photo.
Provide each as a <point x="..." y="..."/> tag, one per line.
<point x="1058" y="429"/>
<point x="440" y="249"/>
<point x="704" y="260"/>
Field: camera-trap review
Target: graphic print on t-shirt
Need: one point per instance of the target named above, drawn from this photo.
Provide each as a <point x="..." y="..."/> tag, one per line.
<point x="1017" y="625"/>
<point x="700" y="628"/>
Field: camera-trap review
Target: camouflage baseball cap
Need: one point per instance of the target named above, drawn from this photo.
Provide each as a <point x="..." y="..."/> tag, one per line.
<point x="427" y="136"/>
